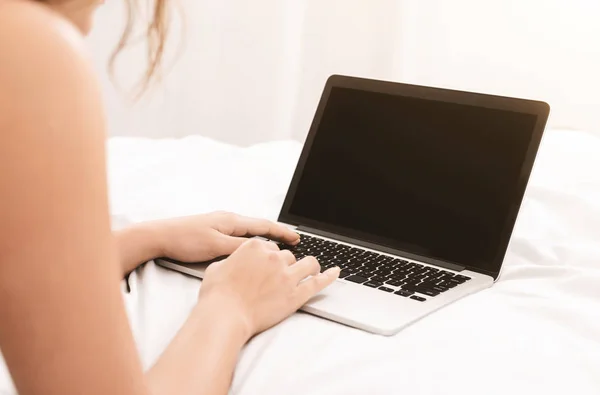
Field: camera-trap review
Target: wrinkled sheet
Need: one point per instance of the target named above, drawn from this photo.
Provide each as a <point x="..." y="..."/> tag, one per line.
<point x="536" y="331"/>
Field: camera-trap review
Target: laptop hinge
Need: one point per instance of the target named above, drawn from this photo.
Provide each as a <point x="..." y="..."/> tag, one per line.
<point x="388" y="250"/>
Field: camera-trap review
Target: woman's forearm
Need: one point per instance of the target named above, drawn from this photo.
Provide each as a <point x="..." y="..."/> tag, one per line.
<point x="202" y="357"/>
<point x="138" y="244"/>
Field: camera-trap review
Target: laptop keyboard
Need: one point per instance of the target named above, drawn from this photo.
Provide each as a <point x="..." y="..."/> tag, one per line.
<point x="386" y="273"/>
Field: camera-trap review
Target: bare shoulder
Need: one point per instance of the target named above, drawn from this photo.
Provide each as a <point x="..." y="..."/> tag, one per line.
<point x="50" y="92"/>
<point x="28" y="28"/>
<point x="43" y="58"/>
<point x="24" y="21"/>
<point x="51" y="110"/>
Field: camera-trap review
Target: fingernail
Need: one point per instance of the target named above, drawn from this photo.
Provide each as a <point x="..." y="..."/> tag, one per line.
<point x="334" y="271"/>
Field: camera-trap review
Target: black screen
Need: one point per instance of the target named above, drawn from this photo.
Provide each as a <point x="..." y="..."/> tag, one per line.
<point x="432" y="178"/>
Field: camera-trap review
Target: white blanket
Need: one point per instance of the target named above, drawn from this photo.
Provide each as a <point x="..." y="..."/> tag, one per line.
<point x="537" y="331"/>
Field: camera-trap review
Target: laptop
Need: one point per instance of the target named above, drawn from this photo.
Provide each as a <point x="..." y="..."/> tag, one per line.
<point x="412" y="191"/>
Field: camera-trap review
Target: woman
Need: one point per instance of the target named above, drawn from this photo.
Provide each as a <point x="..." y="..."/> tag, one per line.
<point x="63" y="327"/>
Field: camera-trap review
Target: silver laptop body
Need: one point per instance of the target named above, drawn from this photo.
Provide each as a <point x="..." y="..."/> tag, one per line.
<point x="413" y="191"/>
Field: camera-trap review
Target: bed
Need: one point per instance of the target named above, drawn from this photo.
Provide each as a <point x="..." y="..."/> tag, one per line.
<point x="537" y="331"/>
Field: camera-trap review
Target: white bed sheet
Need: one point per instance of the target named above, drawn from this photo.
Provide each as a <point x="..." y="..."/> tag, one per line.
<point x="536" y="331"/>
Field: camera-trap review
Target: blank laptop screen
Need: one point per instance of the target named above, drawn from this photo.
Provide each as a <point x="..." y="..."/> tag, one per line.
<point x="432" y="178"/>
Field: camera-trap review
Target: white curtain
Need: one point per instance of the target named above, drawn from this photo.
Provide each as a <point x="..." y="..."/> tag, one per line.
<point x="252" y="71"/>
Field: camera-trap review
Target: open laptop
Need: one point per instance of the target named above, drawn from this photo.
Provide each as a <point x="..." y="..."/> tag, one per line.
<point x="413" y="191"/>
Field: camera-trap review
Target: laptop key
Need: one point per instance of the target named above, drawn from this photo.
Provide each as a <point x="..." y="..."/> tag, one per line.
<point x="385" y="289"/>
<point x="421" y="289"/>
<point x="404" y="293"/>
<point x="410" y="287"/>
<point x="394" y="283"/>
<point x="445" y="277"/>
<point x="457" y="280"/>
<point x="450" y="284"/>
<point x="356" y="279"/>
<point x="373" y="284"/>
<point x="420" y="299"/>
<point x="429" y="292"/>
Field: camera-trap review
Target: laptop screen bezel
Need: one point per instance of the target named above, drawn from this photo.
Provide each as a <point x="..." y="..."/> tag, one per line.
<point x="538" y="108"/>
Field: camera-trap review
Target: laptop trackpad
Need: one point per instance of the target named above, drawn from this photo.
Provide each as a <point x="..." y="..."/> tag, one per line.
<point x="364" y="307"/>
<point x="335" y="289"/>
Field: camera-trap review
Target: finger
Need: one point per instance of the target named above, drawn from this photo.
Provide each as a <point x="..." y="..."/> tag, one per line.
<point x="245" y="226"/>
<point x="258" y="243"/>
<point x="312" y="286"/>
<point x="269" y="245"/>
<point x="287" y="257"/>
<point x="308" y="266"/>
<point x="270" y="230"/>
<point x="229" y="244"/>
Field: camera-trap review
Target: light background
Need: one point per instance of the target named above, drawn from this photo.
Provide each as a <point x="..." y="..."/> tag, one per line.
<point x="252" y="71"/>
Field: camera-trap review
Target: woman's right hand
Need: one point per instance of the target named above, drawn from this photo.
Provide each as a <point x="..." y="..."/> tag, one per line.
<point x="262" y="284"/>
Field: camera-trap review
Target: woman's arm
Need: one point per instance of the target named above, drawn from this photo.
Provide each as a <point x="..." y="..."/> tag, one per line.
<point x="194" y="238"/>
<point x="203" y="355"/>
<point x="63" y="324"/>
<point x="252" y="290"/>
<point x="138" y="244"/>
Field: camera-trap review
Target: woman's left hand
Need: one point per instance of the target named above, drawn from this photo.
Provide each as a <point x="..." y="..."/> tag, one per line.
<point x="196" y="238"/>
<point x="203" y="237"/>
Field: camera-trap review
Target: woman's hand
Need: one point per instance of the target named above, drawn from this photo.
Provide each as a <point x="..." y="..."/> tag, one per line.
<point x="203" y="237"/>
<point x="262" y="285"/>
<point x="193" y="239"/>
